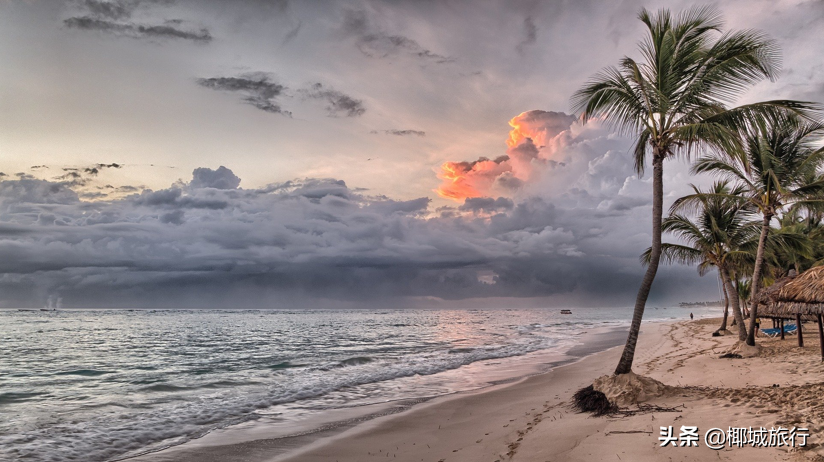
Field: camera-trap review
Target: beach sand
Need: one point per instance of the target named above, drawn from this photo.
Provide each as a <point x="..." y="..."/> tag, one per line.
<point x="531" y="420"/>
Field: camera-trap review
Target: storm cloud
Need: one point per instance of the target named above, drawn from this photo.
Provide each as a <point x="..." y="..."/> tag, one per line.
<point x="208" y="242"/>
<point x="115" y="17"/>
<point x="164" y="31"/>
<point x="337" y="103"/>
<point x="544" y="207"/>
<point x="375" y="43"/>
<point x="258" y="89"/>
<point x="109" y="9"/>
<point x="397" y="132"/>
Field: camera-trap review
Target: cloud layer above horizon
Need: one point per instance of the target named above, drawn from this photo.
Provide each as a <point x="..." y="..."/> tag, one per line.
<point x="147" y="146"/>
<point x="319" y="242"/>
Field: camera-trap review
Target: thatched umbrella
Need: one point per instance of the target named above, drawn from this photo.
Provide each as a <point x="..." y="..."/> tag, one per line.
<point x="767" y="299"/>
<point x="800" y="296"/>
<point x="805" y="293"/>
<point x="768" y="306"/>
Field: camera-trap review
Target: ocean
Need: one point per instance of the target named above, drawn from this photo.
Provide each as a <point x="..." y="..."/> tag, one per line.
<point x="100" y="385"/>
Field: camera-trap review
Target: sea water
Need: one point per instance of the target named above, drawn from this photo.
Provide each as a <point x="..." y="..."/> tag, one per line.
<point x="97" y="385"/>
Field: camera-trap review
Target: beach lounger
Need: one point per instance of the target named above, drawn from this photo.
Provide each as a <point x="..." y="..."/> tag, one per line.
<point x="788" y="329"/>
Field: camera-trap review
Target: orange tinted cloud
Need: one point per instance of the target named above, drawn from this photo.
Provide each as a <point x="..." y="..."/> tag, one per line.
<point x="470" y="179"/>
<point x="539" y="126"/>
<point x="531" y="131"/>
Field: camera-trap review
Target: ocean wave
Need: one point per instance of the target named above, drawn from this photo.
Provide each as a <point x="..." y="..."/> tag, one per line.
<point x="192" y="381"/>
<point x="11" y="397"/>
<point x="85" y="372"/>
<point x="285" y="365"/>
<point x="235" y="402"/>
<point x="356" y="361"/>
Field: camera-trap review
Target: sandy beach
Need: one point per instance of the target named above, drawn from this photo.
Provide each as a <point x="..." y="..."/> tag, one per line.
<point x="532" y="420"/>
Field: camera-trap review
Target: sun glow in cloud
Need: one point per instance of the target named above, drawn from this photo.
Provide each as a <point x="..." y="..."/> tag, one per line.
<point x="470" y="179"/>
<point x="529" y="145"/>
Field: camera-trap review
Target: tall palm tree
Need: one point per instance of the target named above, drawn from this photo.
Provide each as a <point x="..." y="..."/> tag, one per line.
<point x="778" y="168"/>
<point x="716" y="238"/>
<point x="675" y="101"/>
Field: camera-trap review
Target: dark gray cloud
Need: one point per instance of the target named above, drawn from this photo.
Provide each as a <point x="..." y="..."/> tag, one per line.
<point x="397" y="132"/>
<point x="487" y="204"/>
<point x="222" y="178"/>
<point x="162" y="31"/>
<point x="95" y="169"/>
<point x="578" y="215"/>
<point x="33" y="191"/>
<point x="115" y="17"/>
<point x="373" y="42"/>
<point x="261" y="91"/>
<point x="210" y="243"/>
<point x="312" y="189"/>
<point x="175" y="217"/>
<point x="109" y="9"/>
<point x="175" y="198"/>
<point x="258" y="89"/>
<point x="509" y="182"/>
<point x="292" y="33"/>
<point x="530" y="34"/>
<point x="78" y="177"/>
<point x="72" y="177"/>
<point x="389" y="206"/>
<point x="337" y="103"/>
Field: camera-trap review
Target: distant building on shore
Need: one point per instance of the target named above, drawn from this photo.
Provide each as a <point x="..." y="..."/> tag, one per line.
<point x="714" y="303"/>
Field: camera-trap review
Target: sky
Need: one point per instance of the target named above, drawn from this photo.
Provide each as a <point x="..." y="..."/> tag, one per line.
<point x="282" y="153"/>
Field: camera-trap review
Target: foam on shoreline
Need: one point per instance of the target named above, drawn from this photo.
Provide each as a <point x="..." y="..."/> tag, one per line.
<point x="266" y="440"/>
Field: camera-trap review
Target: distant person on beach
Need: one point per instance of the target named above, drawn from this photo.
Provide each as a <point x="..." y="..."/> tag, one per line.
<point x="691" y="317"/>
<point x="757" y="326"/>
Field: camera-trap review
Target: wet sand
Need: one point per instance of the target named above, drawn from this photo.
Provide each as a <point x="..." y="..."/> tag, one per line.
<point x="532" y="420"/>
<point x="253" y="444"/>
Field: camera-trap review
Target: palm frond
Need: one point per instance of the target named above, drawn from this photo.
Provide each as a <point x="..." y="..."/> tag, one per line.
<point x="674" y="253"/>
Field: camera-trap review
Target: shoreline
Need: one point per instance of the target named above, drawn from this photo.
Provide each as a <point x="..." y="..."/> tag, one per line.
<point x="343" y="447"/>
<point x="243" y="444"/>
<point x="531" y="420"/>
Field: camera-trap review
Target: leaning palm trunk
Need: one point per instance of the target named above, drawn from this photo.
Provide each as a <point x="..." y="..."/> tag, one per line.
<point x="736" y="307"/>
<point x="726" y="315"/>
<point x="756" y="277"/>
<point x="726" y="307"/>
<point x="625" y="364"/>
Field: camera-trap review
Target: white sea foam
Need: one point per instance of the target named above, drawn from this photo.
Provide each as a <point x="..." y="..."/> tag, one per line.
<point x="96" y="385"/>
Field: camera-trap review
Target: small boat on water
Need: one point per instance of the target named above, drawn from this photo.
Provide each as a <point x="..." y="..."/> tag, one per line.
<point x="566" y="311"/>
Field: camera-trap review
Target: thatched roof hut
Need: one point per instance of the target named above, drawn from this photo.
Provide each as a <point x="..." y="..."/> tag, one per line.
<point x="772" y="305"/>
<point x="800" y="297"/>
<point x="804" y="294"/>
<point x="767" y="299"/>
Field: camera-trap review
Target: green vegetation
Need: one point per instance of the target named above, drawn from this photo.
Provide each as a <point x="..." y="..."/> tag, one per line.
<point x="676" y="101"/>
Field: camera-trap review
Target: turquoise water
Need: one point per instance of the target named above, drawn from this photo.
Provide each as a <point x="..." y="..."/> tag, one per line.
<point x="96" y="385"/>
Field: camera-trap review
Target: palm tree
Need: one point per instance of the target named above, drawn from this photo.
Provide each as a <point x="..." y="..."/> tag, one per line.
<point x="716" y="239"/>
<point x="675" y="100"/>
<point x="802" y="221"/>
<point x="778" y="168"/>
